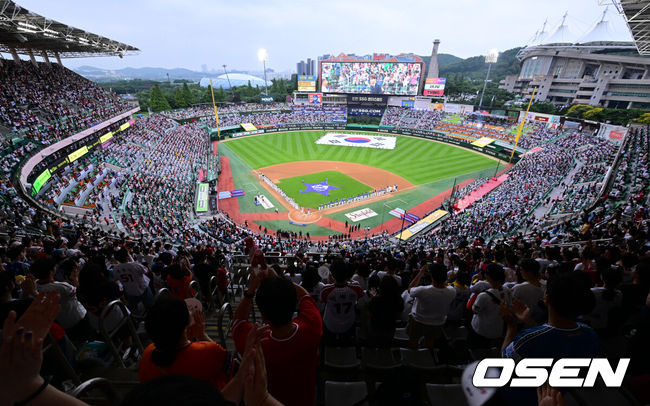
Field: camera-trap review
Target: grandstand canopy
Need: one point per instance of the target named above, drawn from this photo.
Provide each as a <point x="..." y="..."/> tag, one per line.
<point x="23" y="30"/>
<point x="637" y="15"/>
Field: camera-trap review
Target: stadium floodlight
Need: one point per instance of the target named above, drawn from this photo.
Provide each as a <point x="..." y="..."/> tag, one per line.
<point x="491" y="57"/>
<point x="21" y="29"/>
<point x="263" y="56"/>
<point x="27" y="25"/>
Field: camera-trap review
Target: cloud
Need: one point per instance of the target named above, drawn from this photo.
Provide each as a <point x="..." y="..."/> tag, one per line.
<point x="181" y="33"/>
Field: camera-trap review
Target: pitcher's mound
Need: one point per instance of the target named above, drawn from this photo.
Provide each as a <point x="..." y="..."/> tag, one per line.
<point x="299" y="217"/>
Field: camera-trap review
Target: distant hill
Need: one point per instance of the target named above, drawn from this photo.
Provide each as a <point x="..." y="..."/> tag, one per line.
<point x="106" y="75"/>
<point x="443" y="59"/>
<point x="476" y="68"/>
<point x="471" y="68"/>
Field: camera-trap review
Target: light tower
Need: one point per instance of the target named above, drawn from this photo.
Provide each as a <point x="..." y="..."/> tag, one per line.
<point x="263" y="56"/>
<point x="490" y="58"/>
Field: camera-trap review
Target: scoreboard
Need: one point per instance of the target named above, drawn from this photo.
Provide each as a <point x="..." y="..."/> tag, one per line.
<point x="307" y="83"/>
<point x="434" y="86"/>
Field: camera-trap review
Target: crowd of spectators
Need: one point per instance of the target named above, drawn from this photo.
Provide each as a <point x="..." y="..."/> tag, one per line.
<point x="47" y="102"/>
<point x="524" y="295"/>
<point x="208" y="110"/>
<point x="277" y="117"/>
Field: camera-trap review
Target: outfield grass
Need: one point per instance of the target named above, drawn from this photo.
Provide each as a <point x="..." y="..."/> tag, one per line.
<point x="348" y="187"/>
<point x="417" y="160"/>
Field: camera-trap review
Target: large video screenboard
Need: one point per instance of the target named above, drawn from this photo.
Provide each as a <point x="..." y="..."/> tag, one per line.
<point x="391" y="78"/>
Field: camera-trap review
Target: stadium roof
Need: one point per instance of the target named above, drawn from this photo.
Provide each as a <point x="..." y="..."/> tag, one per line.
<point x="637" y="15"/>
<point x="23" y="30"/>
<point x="609" y="32"/>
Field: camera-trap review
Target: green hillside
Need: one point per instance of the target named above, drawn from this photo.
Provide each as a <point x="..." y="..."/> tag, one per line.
<point x="476" y="68"/>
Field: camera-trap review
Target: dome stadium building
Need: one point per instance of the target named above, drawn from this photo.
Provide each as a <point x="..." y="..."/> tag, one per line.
<point x="233" y="79"/>
<point x="602" y="67"/>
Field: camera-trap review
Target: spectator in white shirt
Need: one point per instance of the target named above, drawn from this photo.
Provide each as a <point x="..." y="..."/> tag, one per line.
<point x="487" y="324"/>
<point x="390" y="269"/>
<point x="133" y="277"/>
<point x="531" y="292"/>
<point x="73" y="315"/>
<point x="431" y="306"/>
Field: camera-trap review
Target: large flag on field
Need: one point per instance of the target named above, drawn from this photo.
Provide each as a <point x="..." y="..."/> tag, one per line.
<point x="358" y="140"/>
<point x="403" y="214"/>
<point x="411" y="218"/>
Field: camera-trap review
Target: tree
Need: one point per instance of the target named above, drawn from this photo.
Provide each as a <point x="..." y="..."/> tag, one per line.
<point x="541" y="107"/>
<point x="207" y="95"/>
<point x="179" y="100"/>
<point x="595" y="114"/>
<point x="187" y="94"/>
<point x="578" y="110"/>
<point x="157" y="101"/>
<point x="220" y="95"/>
<point x="644" y="118"/>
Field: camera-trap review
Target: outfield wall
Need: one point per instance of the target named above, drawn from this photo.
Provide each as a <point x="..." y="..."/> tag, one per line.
<point x="495" y="151"/>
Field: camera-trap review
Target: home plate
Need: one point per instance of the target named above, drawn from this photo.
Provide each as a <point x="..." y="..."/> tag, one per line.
<point x="360" y="214"/>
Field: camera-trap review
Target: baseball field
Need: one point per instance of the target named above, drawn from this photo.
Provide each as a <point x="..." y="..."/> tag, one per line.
<point x="417" y="170"/>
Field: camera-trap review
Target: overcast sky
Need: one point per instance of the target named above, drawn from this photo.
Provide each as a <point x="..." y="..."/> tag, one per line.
<point x="190" y="33"/>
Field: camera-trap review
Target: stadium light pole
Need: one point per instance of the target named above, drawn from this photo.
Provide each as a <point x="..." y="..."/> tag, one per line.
<point x="490" y="58"/>
<point x="232" y="93"/>
<point x="263" y="56"/>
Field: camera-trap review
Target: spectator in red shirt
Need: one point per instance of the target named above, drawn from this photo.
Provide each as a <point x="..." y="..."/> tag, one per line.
<point x="178" y="281"/>
<point x="291" y="345"/>
<point x="180" y="347"/>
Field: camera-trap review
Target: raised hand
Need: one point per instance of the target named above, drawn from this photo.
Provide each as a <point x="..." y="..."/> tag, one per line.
<point x="547" y="396"/>
<point x="20" y="360"/>
<point x="256" y="389"/>
<point x="521" y="311"/>
<point x="40" y="315"/>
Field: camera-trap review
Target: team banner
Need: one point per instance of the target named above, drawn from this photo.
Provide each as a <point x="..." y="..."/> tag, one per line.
<point x="361" y="214"/>
<point x="106" y="137"/>
<point x="202" y="198"/>
<point x="483" y="141"/>
<point x="358" y="140"/>
<point x="316" y="98"/>
<point x="78" y="154"/>
<point x="422" y="224"/>
<point x="249" y="127"/>
<point x="40" y="180"/>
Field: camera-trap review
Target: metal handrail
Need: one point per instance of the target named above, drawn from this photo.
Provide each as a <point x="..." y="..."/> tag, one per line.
<point x="226" y="307"/>
<point x="125" y="320"/>
<point x="102" y="384"/>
